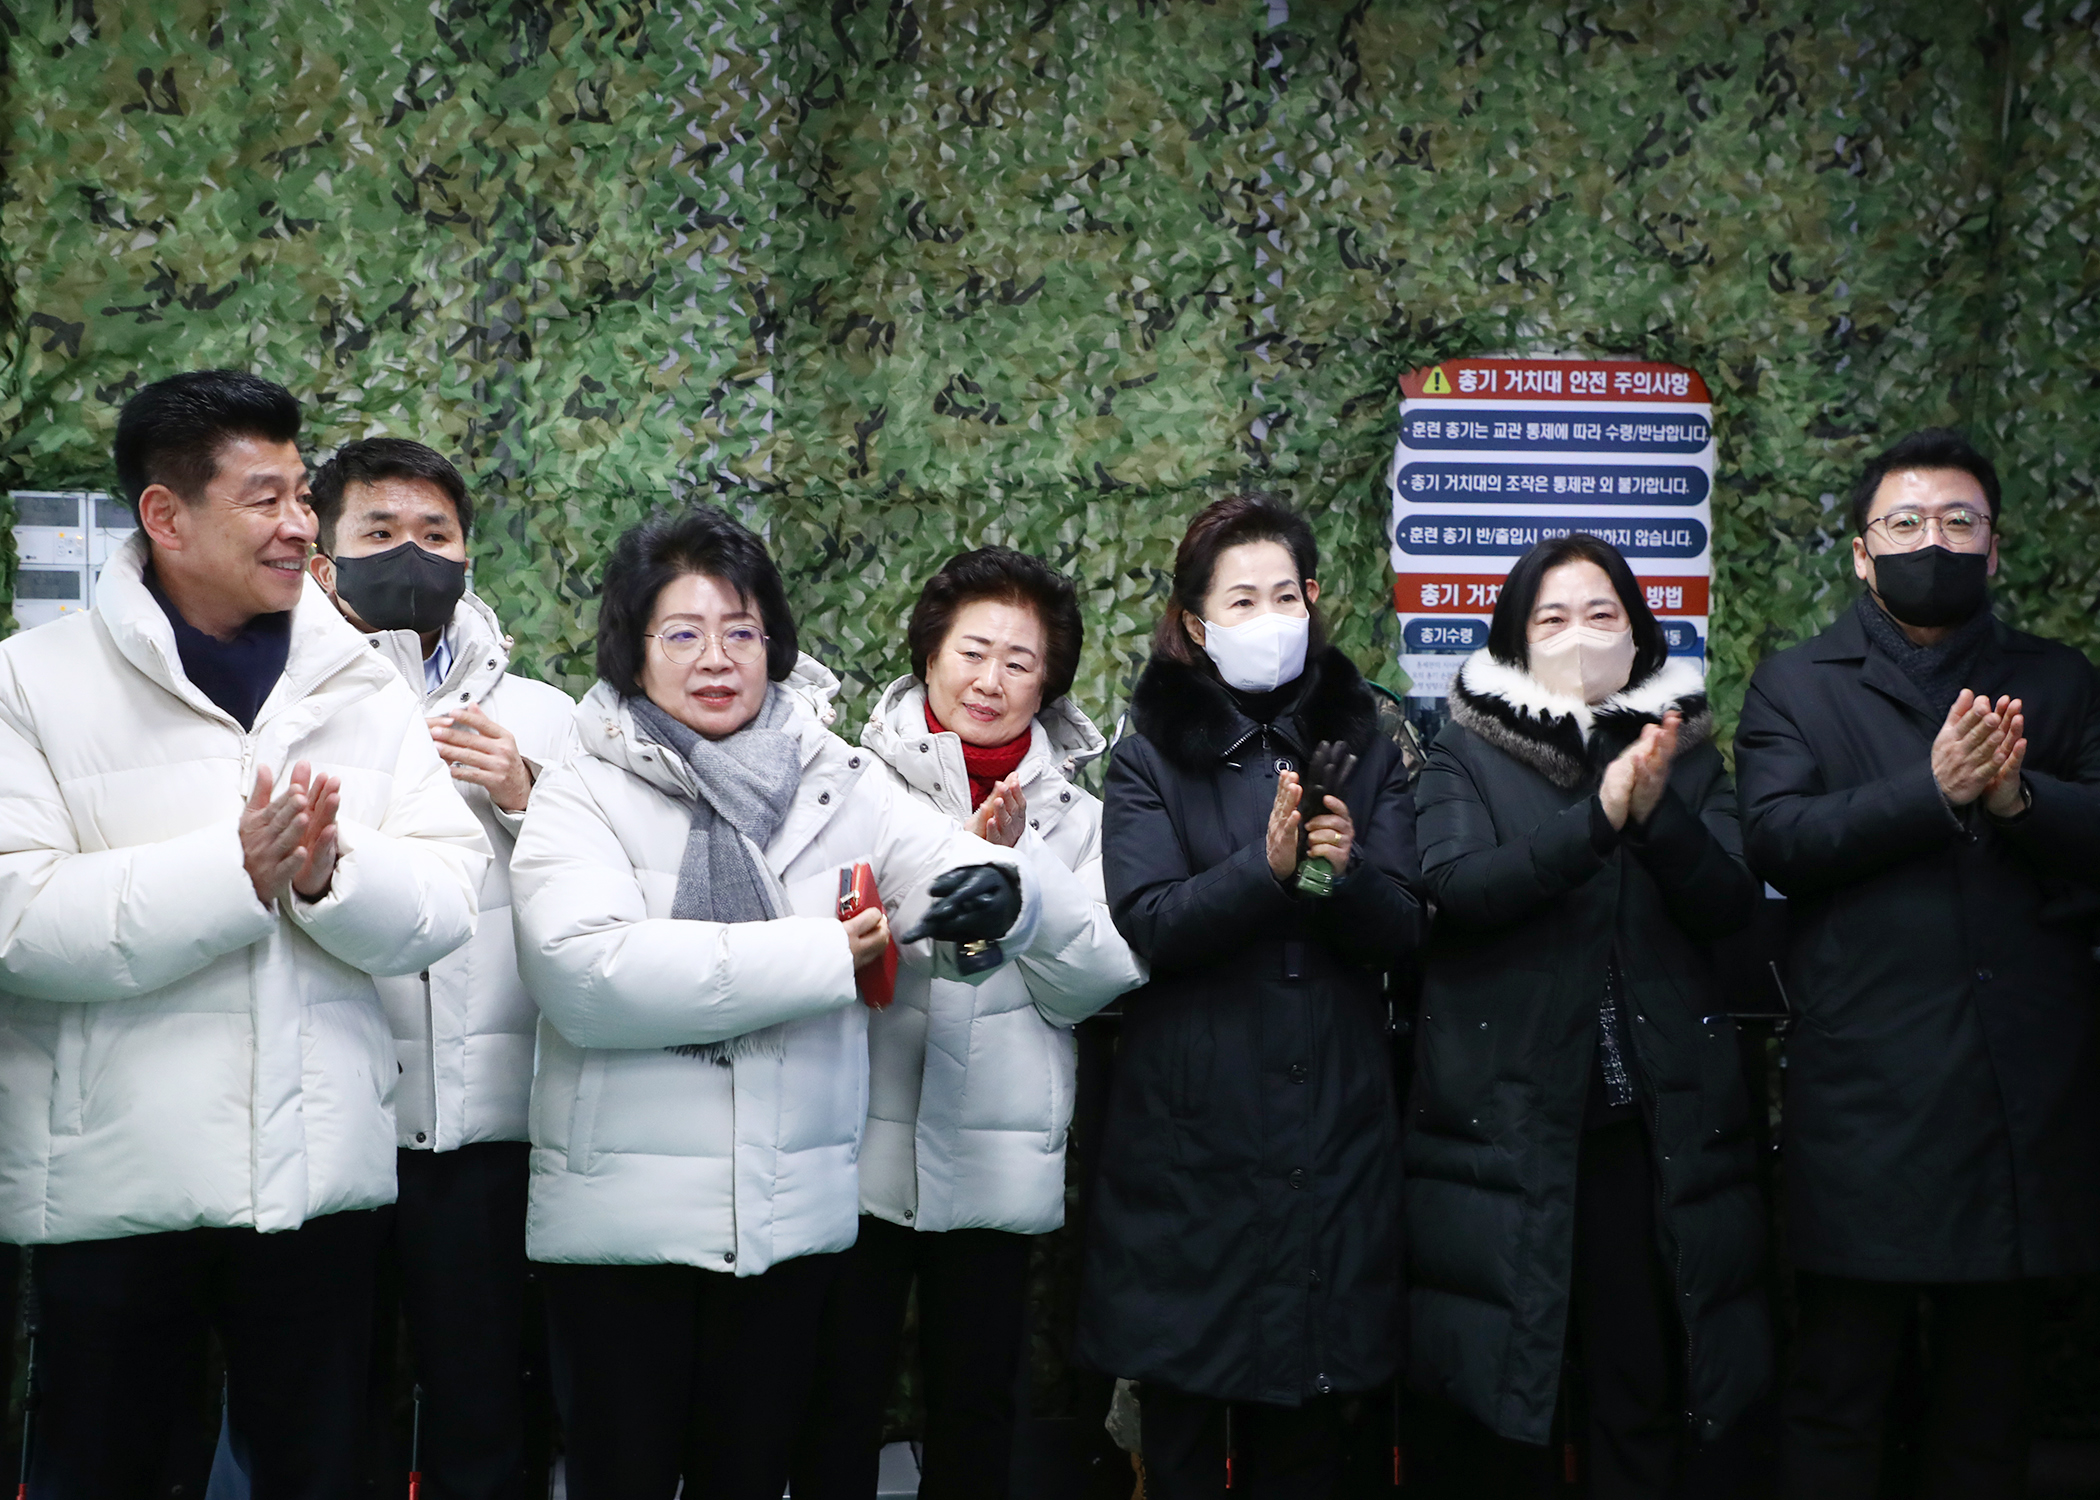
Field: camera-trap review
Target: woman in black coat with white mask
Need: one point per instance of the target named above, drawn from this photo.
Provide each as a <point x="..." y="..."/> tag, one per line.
<point x="1243" y="1252"/>
<point x="1579" y="1162"/>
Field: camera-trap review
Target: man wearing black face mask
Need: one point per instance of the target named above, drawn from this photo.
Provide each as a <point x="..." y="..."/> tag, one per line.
<point x="1923" y="783"/>
<point x="393" y="522"/>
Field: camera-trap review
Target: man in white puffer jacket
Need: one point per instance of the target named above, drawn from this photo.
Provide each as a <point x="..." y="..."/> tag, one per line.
<point x="394" y="520"/>
<point x="702" y="1078"/>
<point x="220" y="815"/>
<point x="971" y="1087"/>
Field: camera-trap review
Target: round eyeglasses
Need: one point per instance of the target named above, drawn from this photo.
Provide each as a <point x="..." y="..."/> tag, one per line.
<point x="1959" y="529"/>
<point x="683" y="644"/>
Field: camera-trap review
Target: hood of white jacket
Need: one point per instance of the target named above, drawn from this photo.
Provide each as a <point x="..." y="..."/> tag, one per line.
<point x="480" y="655"/>
<point x="605" y="728"/>
<point x="1061" y="740"/>
<point x="323" y="643"/>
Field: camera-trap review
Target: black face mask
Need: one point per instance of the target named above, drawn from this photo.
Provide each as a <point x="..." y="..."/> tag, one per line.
<point x="1931" y="586"/>
<point x="402" y="588"/>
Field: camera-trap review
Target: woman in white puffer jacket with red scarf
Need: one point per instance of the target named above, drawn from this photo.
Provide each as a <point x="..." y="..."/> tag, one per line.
<point x="971" y="1088"/>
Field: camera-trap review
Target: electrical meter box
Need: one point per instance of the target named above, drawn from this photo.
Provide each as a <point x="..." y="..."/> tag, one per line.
<point x="62" y="539"/>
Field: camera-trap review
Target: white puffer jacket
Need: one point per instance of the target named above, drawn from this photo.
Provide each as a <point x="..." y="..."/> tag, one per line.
<point x="970" y="1088"/>
<point x="463" y="1028"/>
<point x="642" y="1155"/>
<point x="173" y="1053"/>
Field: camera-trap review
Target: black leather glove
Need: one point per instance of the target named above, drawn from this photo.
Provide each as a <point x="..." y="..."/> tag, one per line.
<point x="970" y="903"/>
<point x="1326" y="772"/>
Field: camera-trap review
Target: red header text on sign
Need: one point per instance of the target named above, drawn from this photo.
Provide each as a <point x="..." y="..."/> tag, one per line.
<point x="1554" y="380"/>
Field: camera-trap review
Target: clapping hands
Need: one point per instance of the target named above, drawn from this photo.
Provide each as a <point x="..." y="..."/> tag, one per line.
<point x="1000" y="818"/>
<point x="1637" y="777"/>
<point x="1979" y="751"/>
<point x="291" y="841"/>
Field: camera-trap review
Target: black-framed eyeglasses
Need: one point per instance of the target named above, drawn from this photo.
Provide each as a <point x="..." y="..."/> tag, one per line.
<point x="1960" y="528"/>
<point x="685" y="644"/>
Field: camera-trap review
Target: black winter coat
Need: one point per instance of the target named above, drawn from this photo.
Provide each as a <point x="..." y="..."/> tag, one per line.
<point x="1243" y="1241"/>
<point x="1942" y="1112"/>
<point x="1535" y="894"/>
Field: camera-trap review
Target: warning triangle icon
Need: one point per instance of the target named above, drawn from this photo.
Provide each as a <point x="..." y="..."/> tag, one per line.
<point x="1439" y="383"/>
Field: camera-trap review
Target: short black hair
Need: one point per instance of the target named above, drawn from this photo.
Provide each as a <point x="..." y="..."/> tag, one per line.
<point x="171" y="432"/>
<point x="370" y="460"/>
<point x="1928" y="448"/>
<point x="701" y="539"/>
<point x="1010" y="577"/>
<point x="1507" y="642"/>
<point x="1222" y="524"/>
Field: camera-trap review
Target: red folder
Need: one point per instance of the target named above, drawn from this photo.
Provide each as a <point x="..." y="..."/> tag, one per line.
<point x="876" y="981"/>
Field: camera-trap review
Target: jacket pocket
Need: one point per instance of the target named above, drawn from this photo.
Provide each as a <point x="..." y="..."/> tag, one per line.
<point x="1195" y="1058"/>
<point x="1061" y="1050"/>
<point x="66" y="1069"/>
<point x="583" y="1114"/>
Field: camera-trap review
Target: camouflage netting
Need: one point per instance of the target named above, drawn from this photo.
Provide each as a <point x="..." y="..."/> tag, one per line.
<point x="896" y="278"/>
<point x="900" y="277"/>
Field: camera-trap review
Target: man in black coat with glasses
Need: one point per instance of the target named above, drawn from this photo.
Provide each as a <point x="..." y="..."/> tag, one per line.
<point x="1923" y="783"/>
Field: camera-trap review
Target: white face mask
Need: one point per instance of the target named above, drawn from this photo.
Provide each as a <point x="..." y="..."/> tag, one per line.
<point x="1583" y="662"/>
<point x="1261" y="655"/>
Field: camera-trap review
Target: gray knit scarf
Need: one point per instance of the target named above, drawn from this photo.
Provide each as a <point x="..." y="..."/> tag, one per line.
<point x="747" y="784"/>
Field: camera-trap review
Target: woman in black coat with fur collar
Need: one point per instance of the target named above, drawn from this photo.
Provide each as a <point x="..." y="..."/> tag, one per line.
<point x="1243" y="1243"/>
<point x="1579" y="1158"/>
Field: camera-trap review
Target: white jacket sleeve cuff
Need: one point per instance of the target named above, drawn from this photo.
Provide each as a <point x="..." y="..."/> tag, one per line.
<point x="395" y="905"/>
<point x="1079" y="962"/>
<point x="1017" y="939"/>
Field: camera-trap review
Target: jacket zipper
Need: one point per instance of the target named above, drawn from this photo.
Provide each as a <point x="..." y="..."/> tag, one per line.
<point x="430" y="1053"/>
<point x="1662" y="1177"/>
<point x="1662" y="1180"/>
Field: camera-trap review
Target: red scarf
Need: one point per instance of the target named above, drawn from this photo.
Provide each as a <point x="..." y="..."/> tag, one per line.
<point x="988" y="765"/>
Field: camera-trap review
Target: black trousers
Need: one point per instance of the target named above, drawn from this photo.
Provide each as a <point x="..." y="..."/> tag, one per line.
<point x="1847" y="1348"/>
<point x="973" y="1286"/>
<point x="126" y="1326"/>
<point x="1627" y="1335"/>
<point x="1277" y="1452"/>
<point x="669" y="1371"/>
<point x="459" y="1250"/>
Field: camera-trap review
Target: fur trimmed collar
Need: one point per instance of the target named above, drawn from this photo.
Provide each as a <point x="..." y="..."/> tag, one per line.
<point x="1193" y="721"/>
<point x="1560" y="737"/>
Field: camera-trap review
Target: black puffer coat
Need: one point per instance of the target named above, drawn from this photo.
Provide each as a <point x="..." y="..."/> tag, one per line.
<point x="1535" y="895"/>
<point x="1942" y="1117"/>
<point x="1244" y="1237"/>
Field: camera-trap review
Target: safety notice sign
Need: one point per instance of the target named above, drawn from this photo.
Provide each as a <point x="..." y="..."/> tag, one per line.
<point x="1496" y="455"/>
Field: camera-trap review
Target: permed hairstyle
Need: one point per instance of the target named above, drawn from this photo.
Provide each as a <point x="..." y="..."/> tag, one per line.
<point x="1231" y="522"/>
<point x="370" y="460"/>
<point x="701" y="539"/>
<point x="1930" y="448"/>
<point x="171" y="432"/>
<point x="1008" y="577"/>
<point x="1520" y="591"/>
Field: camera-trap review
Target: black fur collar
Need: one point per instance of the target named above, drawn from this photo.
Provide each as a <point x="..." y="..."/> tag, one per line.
<point x="1562" y="738"/>
<point x="1192" y="719"/>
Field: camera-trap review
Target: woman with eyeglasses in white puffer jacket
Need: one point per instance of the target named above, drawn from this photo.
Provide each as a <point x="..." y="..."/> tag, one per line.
<point x="702" y="1074"/>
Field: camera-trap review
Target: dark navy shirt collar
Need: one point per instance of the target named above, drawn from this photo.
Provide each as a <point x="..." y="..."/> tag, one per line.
<point x="237" y="674"/>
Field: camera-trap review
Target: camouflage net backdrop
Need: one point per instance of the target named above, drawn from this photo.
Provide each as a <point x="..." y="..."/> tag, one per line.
<point x="898" y="278"/>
